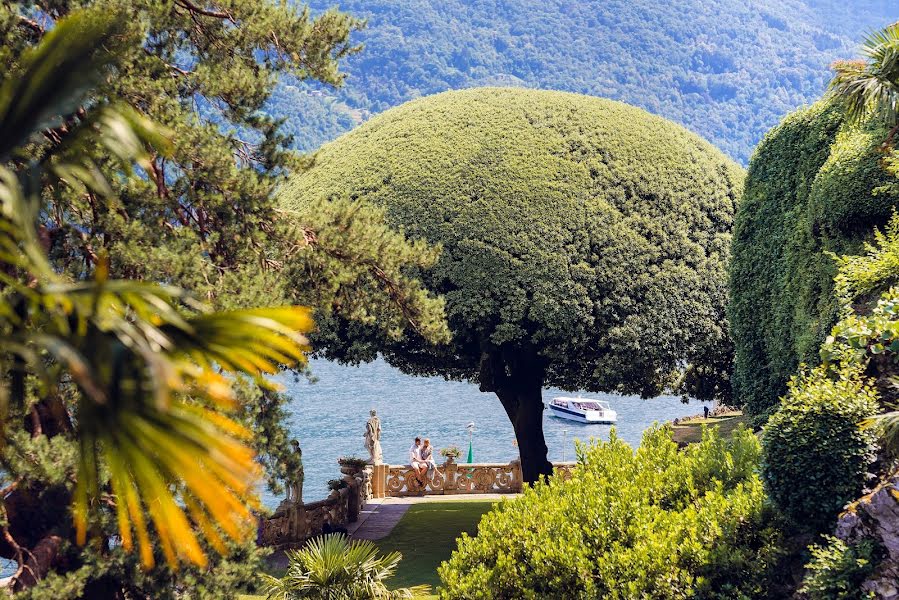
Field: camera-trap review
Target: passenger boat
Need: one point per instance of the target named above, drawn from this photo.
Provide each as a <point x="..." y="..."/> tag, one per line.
<point x="582" y="410"/>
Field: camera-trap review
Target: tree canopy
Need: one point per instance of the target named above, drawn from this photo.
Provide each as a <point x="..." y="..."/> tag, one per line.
<point x="583" y="241"/>
<point x="113" y="397"/>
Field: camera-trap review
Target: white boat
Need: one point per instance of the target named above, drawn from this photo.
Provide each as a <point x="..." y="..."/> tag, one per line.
<point x="582" y="410"/>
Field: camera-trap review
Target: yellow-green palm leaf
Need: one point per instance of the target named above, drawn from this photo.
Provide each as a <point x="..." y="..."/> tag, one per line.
<point x="152" y="366"/>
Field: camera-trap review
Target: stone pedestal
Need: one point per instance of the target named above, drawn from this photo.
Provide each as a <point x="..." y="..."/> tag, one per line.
<point x="450" y="469"/>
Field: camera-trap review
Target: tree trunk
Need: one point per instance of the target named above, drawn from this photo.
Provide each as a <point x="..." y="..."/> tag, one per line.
<point x="516" y="377"/>
<point x="41" y="560"/>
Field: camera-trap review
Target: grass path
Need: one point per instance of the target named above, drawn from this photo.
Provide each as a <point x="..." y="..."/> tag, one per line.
<point x="426" y="536"/>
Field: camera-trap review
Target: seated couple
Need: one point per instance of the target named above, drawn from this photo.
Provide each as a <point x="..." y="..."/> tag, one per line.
<point x="422" y="461"/>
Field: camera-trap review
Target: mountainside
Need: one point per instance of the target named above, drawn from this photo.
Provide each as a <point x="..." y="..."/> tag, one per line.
<point x="726" y="70"/>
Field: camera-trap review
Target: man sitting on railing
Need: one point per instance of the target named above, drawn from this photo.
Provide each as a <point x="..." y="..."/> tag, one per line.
<point x="419" y="467"/>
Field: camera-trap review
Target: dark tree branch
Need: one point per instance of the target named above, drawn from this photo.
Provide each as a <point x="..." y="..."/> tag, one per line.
<point x="196" y="10"/>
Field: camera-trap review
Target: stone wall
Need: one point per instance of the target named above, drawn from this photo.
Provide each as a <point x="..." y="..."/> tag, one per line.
<point x="294" y="523"/>
<point x="451" y="478"/>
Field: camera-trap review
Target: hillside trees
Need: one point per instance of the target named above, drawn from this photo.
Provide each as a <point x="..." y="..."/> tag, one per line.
<point x="728" y="71"/>
<point x="583" y="244"/>
<point x="119" y="446"/>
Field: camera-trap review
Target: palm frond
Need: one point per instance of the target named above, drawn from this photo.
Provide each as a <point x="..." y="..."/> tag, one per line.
<point x="331" y="566"/>
<point x="145" y="358"/>
<point x="870" y="87"/>
<point x="57" y="76"/>
<point x="887" y="426"/>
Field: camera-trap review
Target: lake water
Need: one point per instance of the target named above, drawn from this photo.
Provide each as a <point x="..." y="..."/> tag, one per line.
<point x="329" y="415"/>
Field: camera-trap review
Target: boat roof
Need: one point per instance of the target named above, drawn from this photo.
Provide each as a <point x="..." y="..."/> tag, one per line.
<point x="571" y="399"/>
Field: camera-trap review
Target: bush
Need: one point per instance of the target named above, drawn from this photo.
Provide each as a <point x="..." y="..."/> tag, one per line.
<point x="816" y="454"/>
<point x="452" y="452"/>
<point x="651" y="523"/>
<point x="337" y="484"/>
<point x="837" y="570"/>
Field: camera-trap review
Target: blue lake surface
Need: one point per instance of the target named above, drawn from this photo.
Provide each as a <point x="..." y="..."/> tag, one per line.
<point x="329" y="415"/>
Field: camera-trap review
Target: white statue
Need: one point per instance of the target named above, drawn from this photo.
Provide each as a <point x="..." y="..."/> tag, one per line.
<point x="373" y="438"/>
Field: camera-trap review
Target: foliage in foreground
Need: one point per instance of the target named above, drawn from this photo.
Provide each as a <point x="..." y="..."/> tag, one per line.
<point x="816" y="453"/>
<point x="331" y="567"/>
<point x="115" y="393"/>
<point x="655" y="522"/>
<point x="837" y="570"/>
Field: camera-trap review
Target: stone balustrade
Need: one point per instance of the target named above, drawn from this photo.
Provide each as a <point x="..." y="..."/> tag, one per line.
<point x="451" y="478"/>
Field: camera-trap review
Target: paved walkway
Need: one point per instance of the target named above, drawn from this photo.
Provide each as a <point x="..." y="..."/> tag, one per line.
<point x="381" y="515"/>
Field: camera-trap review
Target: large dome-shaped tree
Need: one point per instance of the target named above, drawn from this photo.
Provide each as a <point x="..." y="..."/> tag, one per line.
<point x="584" y="244"/>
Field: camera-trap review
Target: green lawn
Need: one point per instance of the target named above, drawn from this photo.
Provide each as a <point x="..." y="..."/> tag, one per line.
<point x="426" y="535"/>
<point x="690" y="431"/>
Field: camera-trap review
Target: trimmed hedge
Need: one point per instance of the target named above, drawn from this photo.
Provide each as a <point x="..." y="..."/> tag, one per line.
<point x="585" y="228"/>
<point x="816" y="454"/>
<point x="811" y="189"/>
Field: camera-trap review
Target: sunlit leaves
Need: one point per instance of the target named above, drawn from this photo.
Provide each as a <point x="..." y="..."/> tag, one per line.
<point x="151" y="365"/>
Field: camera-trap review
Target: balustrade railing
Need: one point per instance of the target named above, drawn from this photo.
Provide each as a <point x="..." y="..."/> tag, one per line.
<point x="452" y="478"/>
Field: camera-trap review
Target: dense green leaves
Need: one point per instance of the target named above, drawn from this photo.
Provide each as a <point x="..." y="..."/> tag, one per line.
<point x="653" y="522"/>
<point x="585" y="228"/>
<point x="815" y="185"/>
<point x="816" y="453"/>
<point x="134" y="371"/>
<point x="203" y="216"/>
<point x="837" y="569"/>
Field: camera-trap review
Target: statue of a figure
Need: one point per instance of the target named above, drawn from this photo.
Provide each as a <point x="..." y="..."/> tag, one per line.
<point x="295" y="479"/>
<point x="373" y="438"/>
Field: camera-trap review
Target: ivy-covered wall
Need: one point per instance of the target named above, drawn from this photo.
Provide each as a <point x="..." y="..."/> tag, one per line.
<point x="814" y="186"/>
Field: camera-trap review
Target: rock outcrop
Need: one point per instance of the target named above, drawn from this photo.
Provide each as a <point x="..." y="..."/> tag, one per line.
<point x="876" y="517"/>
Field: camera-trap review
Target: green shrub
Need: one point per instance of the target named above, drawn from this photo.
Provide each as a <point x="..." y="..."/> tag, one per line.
<point x="837" y="570"/>
<point x="816" y="455"/>
<point x="651" y="523"/>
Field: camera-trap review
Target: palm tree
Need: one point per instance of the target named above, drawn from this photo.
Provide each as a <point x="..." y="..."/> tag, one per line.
<point x="139" y="372"/>
<point x="331" y="567"/>
<point x="869" y="87"/>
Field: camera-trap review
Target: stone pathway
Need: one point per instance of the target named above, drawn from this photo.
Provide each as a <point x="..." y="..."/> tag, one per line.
<point x="380" y="516"/>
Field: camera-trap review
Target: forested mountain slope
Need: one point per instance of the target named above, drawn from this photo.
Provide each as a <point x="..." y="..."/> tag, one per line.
<point x="727" y="69"/>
